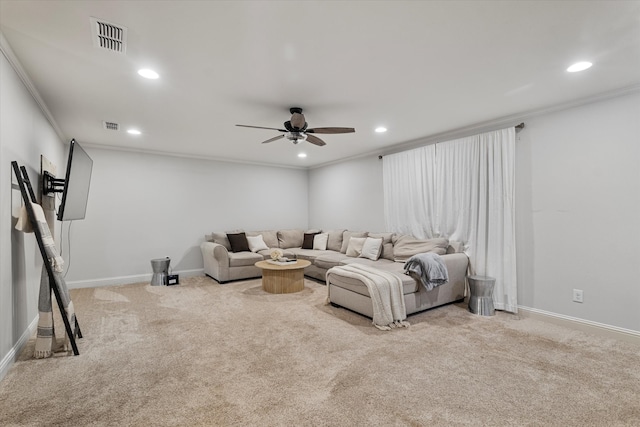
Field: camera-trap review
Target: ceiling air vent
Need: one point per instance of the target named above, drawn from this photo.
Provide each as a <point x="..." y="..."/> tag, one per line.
<point x="107" y="35"/>
<point x="111" y="126"/>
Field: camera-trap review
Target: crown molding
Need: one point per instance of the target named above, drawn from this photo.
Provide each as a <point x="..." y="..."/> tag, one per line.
<point x="489" y="125"/>
<point x="8" y="53"/>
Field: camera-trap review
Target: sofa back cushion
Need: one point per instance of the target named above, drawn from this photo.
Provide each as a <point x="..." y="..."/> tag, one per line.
<point x="290" y="238"/>
<point x="348" y="235"/>
<point x="406" y="246"/>
<point x="270" y="237"/>
<point x="334" y="243"/>
<point x="221" y="239"/>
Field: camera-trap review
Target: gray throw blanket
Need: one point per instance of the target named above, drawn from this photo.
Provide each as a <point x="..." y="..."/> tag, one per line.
<point x="427" y="268"/>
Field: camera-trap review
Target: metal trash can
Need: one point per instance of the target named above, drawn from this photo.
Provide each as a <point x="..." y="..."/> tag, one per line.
<point x="160" y="268"/>
<point x="481" y="295"/>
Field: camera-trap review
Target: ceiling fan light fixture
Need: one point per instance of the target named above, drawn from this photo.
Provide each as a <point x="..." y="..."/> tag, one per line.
<point x="381" y="129"/>
<point x="302" y="155"/>
<point x="296" y="137"/>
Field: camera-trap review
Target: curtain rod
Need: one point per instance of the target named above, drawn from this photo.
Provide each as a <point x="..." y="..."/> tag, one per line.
<point x="517" y="127"/>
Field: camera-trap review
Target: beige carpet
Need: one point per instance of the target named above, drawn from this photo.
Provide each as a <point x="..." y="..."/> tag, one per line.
<point x="201" y="353"/>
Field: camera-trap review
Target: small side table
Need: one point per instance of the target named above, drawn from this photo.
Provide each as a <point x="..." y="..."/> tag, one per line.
<point x="481" y="295"/>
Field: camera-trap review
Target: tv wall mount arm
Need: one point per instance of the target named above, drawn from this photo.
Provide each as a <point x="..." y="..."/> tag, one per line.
<point x="51" y="184"/>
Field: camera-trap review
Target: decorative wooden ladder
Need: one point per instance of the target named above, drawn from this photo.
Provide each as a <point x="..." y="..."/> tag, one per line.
<point x="25" y="185"/>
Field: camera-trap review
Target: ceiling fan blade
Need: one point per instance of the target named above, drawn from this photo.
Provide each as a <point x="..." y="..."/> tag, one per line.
<point x="275" y="138"/>
<point x="331" y="130"/>
<point x="315" y="140"/>
<point x="261" y="127"/>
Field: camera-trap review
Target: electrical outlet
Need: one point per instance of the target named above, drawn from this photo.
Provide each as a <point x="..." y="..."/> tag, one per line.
<point x="577" y="295"/>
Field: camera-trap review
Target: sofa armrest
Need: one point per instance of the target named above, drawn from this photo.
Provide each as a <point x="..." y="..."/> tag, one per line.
<point x="216" y="260"/>
<point x="216" y="251"/>
<point x="457" y="265"/>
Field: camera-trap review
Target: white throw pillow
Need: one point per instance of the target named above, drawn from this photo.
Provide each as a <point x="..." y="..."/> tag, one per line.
<point x="371" y="249"/>
<point x="354" y="248"/>
<point x="320" y="241"/>
<point x="256" y="243"/>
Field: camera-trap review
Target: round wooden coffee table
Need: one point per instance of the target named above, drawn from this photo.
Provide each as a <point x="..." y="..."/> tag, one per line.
<point x="283" y="279"/>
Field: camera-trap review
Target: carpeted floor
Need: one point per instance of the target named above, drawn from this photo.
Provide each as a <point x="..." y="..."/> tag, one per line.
<point x="201" y="353"/>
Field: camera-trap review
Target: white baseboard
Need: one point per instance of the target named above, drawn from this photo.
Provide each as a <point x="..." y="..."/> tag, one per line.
<point x="601" y="329"/>
<point x="125" y="280"/>
<point x="8" y="360"/>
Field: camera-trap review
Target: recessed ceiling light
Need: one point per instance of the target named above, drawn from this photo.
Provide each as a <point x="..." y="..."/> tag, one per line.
<point x="134" y="131"/>
<point x="381" y="129"/>
<point x="302" y="155"/>
<point x="148" y="74"/>
<point x="579" y="66"/>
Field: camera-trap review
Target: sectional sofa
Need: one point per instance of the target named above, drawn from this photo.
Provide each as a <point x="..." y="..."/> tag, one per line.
<point x="326" y="249"/>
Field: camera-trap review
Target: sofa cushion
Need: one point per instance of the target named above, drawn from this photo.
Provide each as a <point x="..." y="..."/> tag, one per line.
<point x="320" y="241"/>
<point x="221" y="239"/>
<point x="256" y="243"/>
<point x="330" y="259"/>
<point x="354" y="248"/>
<point x="270" y="237"/>
<point x="406" y="246"/>
<point x="348" y="235"/>
<point x="334" y="243"/>
<point x="290" y="238"/>
<point x="238" y="242"/>
<point x="409" y="285"/>
<point x="243" y="259"/>
<point x="307" y="240"/>
<point x="371" y="248"/>
<point x="387" y="244"/>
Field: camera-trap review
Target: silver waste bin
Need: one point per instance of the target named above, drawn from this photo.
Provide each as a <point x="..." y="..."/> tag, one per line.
<point x="481" y="295"/>
<point x="160" y="268"/>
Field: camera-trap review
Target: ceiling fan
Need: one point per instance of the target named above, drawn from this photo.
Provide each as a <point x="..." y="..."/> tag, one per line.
<point x="295" y="130"/>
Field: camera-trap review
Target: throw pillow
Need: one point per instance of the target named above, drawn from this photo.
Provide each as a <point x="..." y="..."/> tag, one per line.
<point x="354" y="248"/>
<point x="256" y="243"/>
<point x="238" y="242"/>
<point x="320" y="241"/>
<point x="307" y="242"/>
<point x="349" y="234"/>
<point x="371" y="249"/>
<point x="387" y="244"/>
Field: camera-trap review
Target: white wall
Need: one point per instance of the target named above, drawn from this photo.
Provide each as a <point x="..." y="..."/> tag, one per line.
<point x="25" y="134"/>
<point x="146" y="206"/>
<point x="578" y="212"/>
<point x="577" y="209"/>
<point x="347" y="195"/>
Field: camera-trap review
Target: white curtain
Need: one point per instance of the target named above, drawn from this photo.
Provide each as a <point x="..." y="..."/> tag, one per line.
<point x="469" y="195"/>
<point x="408" y="180"/>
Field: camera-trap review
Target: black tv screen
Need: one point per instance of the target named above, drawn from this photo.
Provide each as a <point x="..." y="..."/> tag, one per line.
<point x="76" y="187"/>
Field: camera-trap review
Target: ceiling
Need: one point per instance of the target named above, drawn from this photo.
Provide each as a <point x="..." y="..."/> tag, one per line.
<point x="417" y="68"/>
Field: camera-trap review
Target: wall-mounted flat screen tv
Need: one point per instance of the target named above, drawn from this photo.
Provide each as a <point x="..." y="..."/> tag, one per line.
<point x="76" y="184"/>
